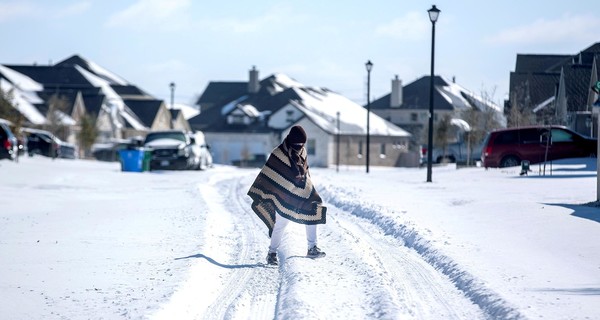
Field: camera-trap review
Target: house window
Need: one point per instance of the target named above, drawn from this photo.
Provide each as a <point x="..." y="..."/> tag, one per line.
<point x="289" y="116"/>
<point x="311" y="147"/>
<point x="414" y="117"/>
<point x="382" y="150"/>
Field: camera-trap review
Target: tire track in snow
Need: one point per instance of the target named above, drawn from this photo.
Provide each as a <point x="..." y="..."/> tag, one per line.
<point x="488" y="301"/>
<point x="417" y="289"/>
<point x="222" y="282"/>
<point x="251" y="287"/>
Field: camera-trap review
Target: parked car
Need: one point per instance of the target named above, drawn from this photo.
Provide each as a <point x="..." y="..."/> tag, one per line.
<point x="178" y="150"/>
<point x="110" y="151"/>
<point x="46" y="144"/>
<point x="8" y="142"/>
<point x="508" y="147"/>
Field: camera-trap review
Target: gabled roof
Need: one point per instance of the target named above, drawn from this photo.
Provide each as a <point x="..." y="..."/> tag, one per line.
<point x="320" y="105"/>
<point x="186" y="110"/>
<point x="446" y="96"/>
<point x="93" y="103"/>
<point x="595" y="48"/>
<point x="53" y="77"/>
<point x="99" y="88"/>
<point x="92" y="67"/>
<point x="145" y="110"/>
<point x="20" y="80"/>
<point x="537" y="87"/>
<point x="221" y="92"/>
<point x="577" y="80"/>
<point x="528" y="63"/>
<point x="536" y="77"/>
<point x="131" y="91"/>
<point x="67" y="99"/>
<point x="214" y="119"/>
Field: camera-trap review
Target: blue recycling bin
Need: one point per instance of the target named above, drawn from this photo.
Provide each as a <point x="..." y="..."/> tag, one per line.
<point x="132" y="160"/>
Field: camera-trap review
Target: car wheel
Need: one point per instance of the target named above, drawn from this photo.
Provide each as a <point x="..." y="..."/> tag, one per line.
<point x="510" y="161"/>
<point x="449" y="159"/>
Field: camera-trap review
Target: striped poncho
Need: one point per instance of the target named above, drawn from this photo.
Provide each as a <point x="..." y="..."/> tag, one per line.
<point x="277" y="190"/>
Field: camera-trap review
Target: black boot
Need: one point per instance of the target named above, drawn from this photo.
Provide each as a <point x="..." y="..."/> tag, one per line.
<point x="315" y="252"/>
<point x="272" y="258"/>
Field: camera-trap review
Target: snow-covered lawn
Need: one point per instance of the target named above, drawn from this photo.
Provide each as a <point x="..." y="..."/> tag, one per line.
<point x="82" y="240"/>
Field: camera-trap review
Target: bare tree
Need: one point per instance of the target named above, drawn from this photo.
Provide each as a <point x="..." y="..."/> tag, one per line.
<point x="10" y="112"/>
<point x="442" y="132"/>
<point x="57" y="109"/>
<point x="7" y="110"/>
<point x="88" y="134"/>
<point x="520" y="112"/>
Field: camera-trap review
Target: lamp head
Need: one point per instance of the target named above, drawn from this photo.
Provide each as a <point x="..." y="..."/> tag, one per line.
<point x="369" y="65"/>
<point x="434" y="12"/>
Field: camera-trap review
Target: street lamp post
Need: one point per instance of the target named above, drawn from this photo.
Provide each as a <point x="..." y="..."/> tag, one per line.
<point x="433" y="16"/>
<point x="337" y="144"/>
<point x="172" y="86"/>
<point x="369" y="66"/>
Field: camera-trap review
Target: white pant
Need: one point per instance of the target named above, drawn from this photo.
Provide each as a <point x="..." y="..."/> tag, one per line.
<point x="277" y="234"/>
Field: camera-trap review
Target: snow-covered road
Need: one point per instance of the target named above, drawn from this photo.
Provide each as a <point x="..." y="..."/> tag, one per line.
<point x="83" y="240"/>
<point x="365" y="275"/>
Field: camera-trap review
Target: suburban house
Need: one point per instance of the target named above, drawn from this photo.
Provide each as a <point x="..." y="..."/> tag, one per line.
<point x="244" y="121"/>
<point x="75" y="87"/>
<point x="557" y="88"/>
<point x="408" y="106"/>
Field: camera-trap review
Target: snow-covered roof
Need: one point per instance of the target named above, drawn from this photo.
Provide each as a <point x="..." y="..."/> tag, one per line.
<point x="455" y="95"/>
<point x="20" y="80"/>
<point x="115" y="103"/>
<point x="282" y="82"/>
<point x="461" y="124"/>
<point x="98" y="70"/>
<point x="232" y="105"/>
<point x="24" y="102"/>
<point x="250" y="110"/>
<point x="322" y="106"/>
<point x="544" y="104"/>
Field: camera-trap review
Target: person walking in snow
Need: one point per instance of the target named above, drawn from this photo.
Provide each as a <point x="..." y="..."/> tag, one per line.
<point x="283" y="192"/>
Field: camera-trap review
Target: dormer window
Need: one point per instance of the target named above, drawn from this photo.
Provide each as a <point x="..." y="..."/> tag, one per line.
<point x="237" y="119"/>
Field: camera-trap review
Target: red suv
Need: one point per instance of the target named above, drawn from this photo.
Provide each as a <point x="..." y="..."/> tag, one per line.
<point x="508" y="147"/>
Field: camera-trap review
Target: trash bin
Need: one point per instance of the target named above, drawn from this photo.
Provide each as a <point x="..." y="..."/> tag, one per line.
<point x="147" y="158"/>
<point x="132" y="160"/>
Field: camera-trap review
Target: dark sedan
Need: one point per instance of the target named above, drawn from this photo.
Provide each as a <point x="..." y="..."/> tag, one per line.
<point x="46" y="144"/>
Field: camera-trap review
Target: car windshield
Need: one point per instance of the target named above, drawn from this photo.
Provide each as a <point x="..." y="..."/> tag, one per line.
<point x="165" y="135"/>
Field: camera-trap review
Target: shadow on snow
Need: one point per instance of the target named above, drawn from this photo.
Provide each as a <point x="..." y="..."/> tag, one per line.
<point x="590" y="211"/>
<point x="222" y="265"/>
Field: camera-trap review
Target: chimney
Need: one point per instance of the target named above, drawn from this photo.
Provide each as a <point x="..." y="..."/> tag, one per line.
<point x="253" y="84"/>
<point x="396" y="96"/>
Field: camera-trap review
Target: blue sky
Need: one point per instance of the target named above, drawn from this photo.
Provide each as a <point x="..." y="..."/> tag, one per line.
<point x="151" y="43"/>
